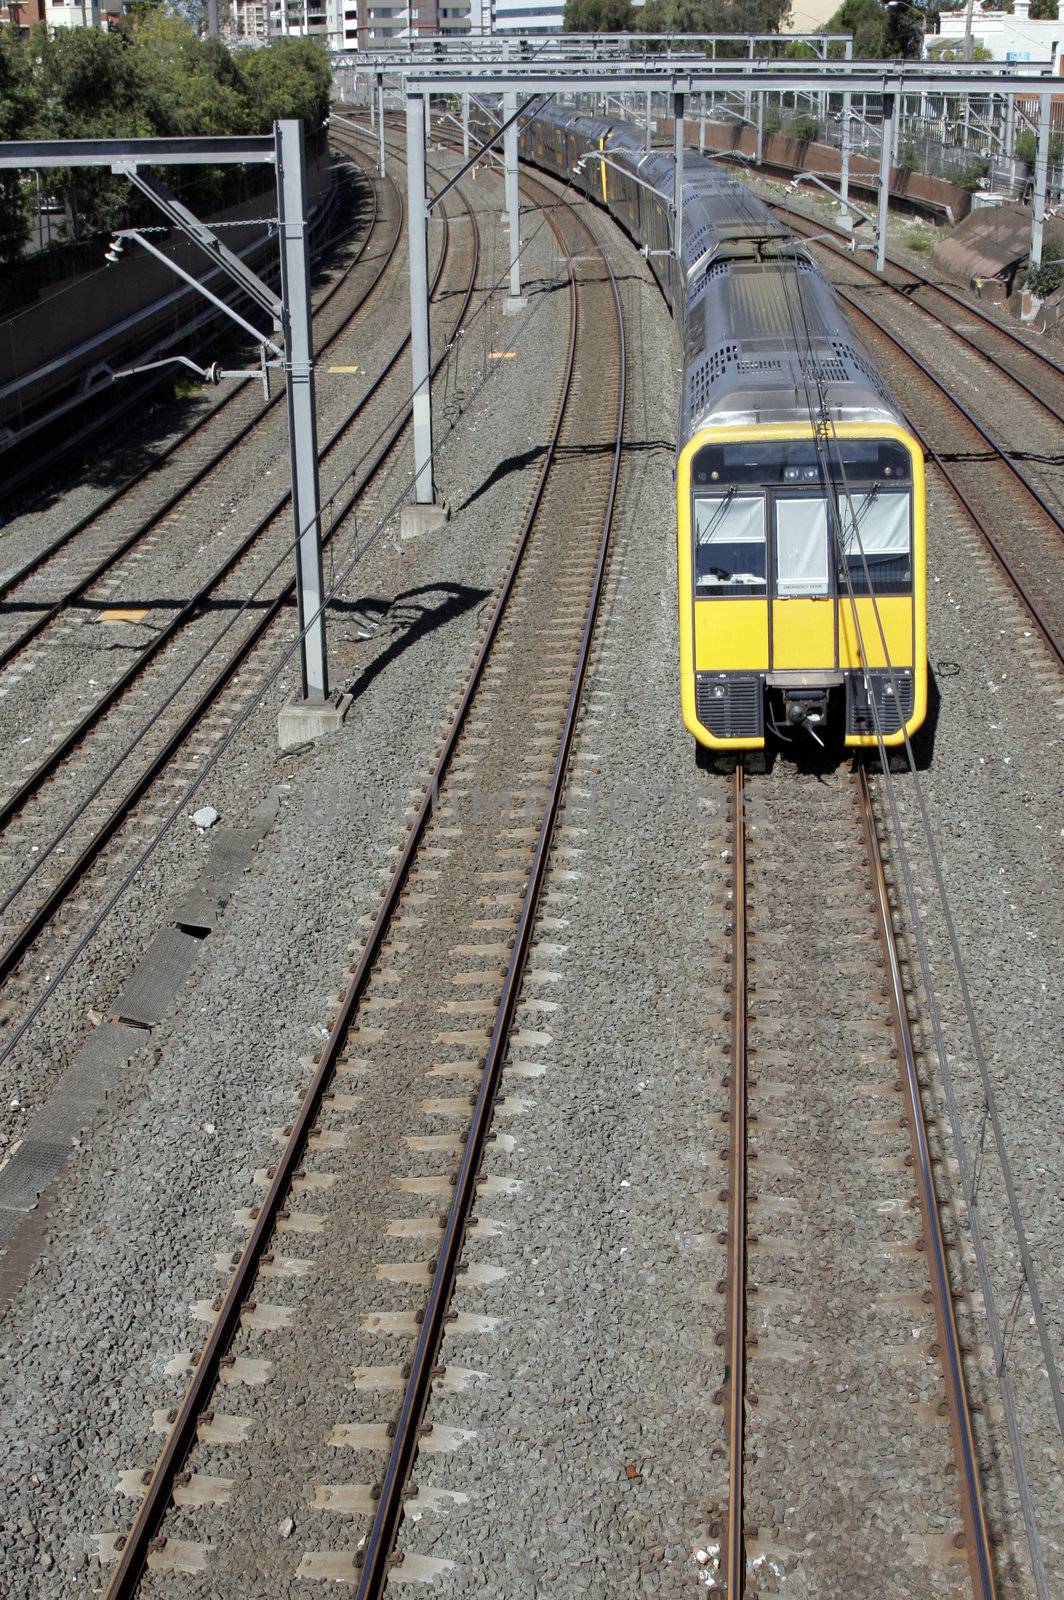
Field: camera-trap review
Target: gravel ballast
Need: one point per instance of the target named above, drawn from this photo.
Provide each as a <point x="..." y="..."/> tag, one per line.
<point x="147" y="1207"/>
<point x="590" y="1458"/>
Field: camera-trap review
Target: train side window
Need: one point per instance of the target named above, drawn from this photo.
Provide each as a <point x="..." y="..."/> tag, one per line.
<point x="880" y="542"/>
<point x="801" y="548"/>
<point x="730" y="544"/>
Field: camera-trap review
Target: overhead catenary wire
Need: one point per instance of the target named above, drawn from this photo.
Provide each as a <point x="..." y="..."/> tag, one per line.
<point x="164" y="828"/>
<point x="44" y="854"/>
<point x="820" y="419"/>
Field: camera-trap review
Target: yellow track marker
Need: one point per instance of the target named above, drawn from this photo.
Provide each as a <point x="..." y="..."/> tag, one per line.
<point x="341" y="369"/>
<point x="501" y="355"/>
<point x="123" y="614"/>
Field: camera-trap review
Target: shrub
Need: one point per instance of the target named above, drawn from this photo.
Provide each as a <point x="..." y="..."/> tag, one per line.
<point x="1044" y="279"/>
<point x="972" y="176"/>
<point x="1026" y="146"/>
<point x="802" y="128"/>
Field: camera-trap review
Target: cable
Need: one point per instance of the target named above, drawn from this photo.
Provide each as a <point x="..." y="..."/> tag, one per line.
<point x="223" y="744"/>
<point x="971" y="1207"/>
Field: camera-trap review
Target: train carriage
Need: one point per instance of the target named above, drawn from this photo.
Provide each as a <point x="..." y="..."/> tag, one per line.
<point x="800" y="490"/>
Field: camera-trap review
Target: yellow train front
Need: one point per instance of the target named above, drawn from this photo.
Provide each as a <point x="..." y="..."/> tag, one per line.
<point x="800" y="504"/>
<point x="800" y="491"/>
<point x="801" y="573"/>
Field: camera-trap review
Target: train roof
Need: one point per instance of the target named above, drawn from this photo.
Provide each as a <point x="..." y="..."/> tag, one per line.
<point x="787" y="349"/>
<point x="765" y="336"/>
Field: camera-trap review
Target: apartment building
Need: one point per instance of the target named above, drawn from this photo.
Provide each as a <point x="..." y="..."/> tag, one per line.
<point x="22" y="15"/>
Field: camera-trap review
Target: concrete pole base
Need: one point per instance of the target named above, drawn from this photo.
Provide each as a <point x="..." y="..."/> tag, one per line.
<point x="417" y="519"/>
<point x="514" y="304"/>
<point x="300" y="720"/>
<point x="1030" y="305"/>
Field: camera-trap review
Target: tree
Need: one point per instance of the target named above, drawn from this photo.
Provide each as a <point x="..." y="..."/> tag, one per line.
<point x="292" y="78"/>
<point x="904" y="34"/>
<point x="88" y="88"/>
<point x="150" y="77"/>
<point x="190" y="86"/>
<point x="18" y="109"/>
<point x="867" y="21"/>
<point x="598" y="16"/>
<point x="713" y="16"/>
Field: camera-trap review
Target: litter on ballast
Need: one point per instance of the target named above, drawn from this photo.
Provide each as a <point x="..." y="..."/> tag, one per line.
<point x="205" y="817"/>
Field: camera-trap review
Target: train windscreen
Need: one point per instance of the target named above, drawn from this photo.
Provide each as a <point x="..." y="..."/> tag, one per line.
<point x="743" y="489"/>
<point x="801" y="461"/>
<point x="730" y="544"/>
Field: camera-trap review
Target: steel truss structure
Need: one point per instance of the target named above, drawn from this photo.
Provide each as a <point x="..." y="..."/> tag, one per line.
<point x="290" y="311"/>
<point x="526" y="77"/>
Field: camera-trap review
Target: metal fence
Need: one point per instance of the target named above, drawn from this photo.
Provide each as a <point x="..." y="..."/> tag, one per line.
<point x="978" y="144"/>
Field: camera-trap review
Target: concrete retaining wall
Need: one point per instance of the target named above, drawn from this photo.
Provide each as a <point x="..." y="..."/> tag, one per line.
<point x="61" y="348"/>
<point x="944" y="201"/>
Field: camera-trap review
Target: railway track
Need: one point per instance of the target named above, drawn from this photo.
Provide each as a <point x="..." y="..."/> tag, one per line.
<point x="80" y="806"/>
<point x="442" y="961"/>
<point x="1026" y="542"/>
<point x="840" y="1334"/>
<point x="1035" y="372"/>
<point x="58" y="576"/>
<point x="985" y="473"/>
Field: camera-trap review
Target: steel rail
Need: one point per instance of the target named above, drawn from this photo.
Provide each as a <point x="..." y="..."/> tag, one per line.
<point x="377" y="1551"/>
<point x="1034" y="611"/>
<point x="961" y="337"/>
<point x="39" y="919"/>
<point x="55" y="609"/>
<point x="135" y="1547"/>
<point x="959" y="405"/>
<point x="976" y="1535"/>
<point x="923" y="281"/>
<point x="734" y="1551"/>
<point x="190" y="608"/>
<point x="1030" y="603"/>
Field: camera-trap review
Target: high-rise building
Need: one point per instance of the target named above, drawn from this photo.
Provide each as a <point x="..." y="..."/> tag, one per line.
<point x="525" y="16"/>
<point x="380" y="24"/>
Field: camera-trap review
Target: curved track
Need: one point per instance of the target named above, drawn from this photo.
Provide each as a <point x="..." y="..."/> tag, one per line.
<point x="533" y="655"/>
<point x="175" y="711"/>
<point x="189" y="460"/>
